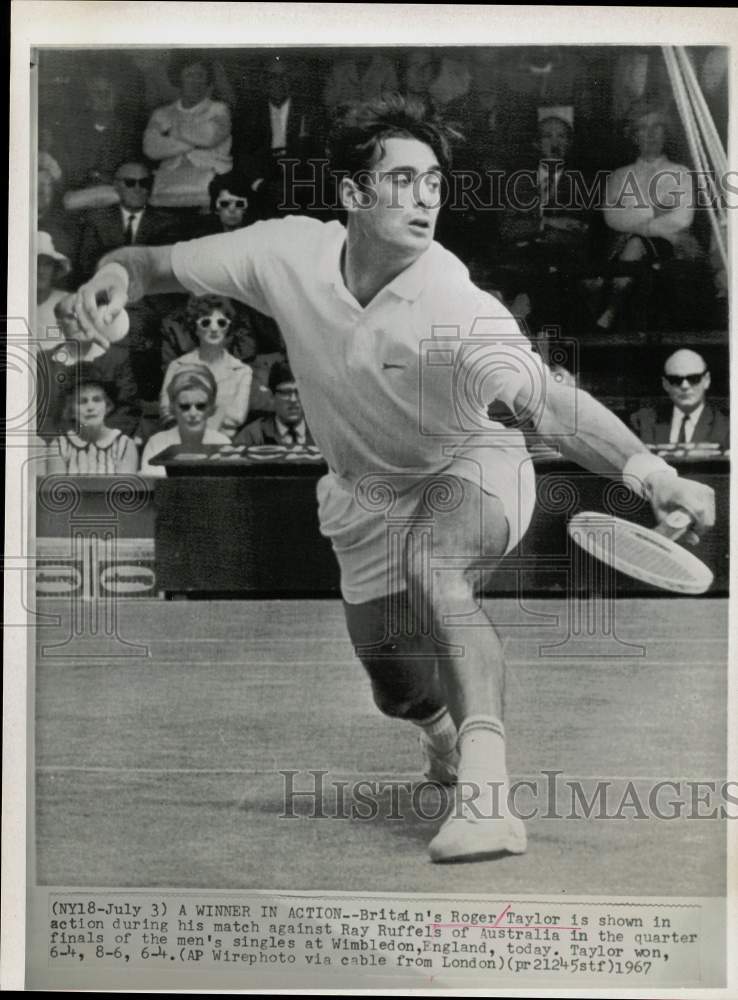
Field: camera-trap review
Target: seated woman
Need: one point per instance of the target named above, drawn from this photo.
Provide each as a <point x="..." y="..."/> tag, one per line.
<point x="209" y="318"/>
<point x="91" y="447"/>
<point x="192" y="396"/>
<point x="232" y="206"/>
<point x="649" y="207"/>
<point x="191" y="139"/>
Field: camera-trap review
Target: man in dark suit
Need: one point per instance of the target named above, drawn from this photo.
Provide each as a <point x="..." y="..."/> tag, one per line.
<point x="286" y="426"/>
<point x="270" y="134"/>
<point x="691" y="418"/>
<point x="131" y="223"/>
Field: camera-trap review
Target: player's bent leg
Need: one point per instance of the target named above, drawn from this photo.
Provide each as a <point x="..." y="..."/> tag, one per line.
<point x="444" y="584"/>
<point x="402" y="669"/>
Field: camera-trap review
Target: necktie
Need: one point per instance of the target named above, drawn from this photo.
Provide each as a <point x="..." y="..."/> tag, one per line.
<point x="292" y="435"/>
<point x="129" y="230"/>
<point x="682" y="436"/>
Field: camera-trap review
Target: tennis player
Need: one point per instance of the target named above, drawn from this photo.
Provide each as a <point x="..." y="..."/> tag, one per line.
<point x="397" y="356"/>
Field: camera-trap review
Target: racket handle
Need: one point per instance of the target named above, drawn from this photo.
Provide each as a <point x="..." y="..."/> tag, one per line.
<point x="675" y="524"/>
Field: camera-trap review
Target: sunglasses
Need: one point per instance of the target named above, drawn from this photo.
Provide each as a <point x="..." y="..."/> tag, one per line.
<point x="693" y="379"/>
<point x="232" y="203"/>
<point x="132" y="182"/>
<point x="200" y="407"/>
<point x="205" y="322"/>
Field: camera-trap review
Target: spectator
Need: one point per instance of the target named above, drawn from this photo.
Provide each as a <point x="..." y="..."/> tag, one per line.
<point x="649" y="206"/>
<point x="286" y="426"/>
<point x="57" y="372"/>
<point x="544" y="239"/>
<point x="210" y="318"/>
<point x="192" y="395"/>
<point x="360" y="77"/>
<point x="231" y="205"/>
<point x="419" y="70"/>
<point x="96" y="138"/>
<point x="555" y="224"/>
<point x="130" y="223"/>
<point x="691" y="418"/>
<point x="274" y="131"/>
<point x="191" y="138"/>
<point x="90" y="446"/>
<point x="51" y="269"/>
<point x="51" y="217"/>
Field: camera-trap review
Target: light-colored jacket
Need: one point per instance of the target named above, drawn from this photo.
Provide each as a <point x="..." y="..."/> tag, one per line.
<point x="192" y="145"/>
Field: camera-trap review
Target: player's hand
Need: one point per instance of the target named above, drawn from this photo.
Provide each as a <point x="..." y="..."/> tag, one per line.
<point x="669" y="493"/>
<point x="99" y="303"/>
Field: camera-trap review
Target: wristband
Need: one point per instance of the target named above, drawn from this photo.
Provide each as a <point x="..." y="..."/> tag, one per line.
<point x="640" y="467"/>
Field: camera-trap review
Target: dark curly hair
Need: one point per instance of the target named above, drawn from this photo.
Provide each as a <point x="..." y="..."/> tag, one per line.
<point x="203" y="305"/>
<point x="358" y="137"/>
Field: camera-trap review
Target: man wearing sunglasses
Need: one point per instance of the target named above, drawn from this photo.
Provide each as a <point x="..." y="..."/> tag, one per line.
<point x="691" y="419"/>
<point x="130" y="223"/>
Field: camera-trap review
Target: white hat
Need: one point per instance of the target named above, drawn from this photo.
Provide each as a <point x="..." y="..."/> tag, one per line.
<point x="45" y="248"/>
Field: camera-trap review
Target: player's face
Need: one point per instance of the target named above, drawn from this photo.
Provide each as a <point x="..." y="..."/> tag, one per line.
<point x="192" y="411"/>
<point x="92" y="407"/>
<point x="287" y="405"/>
<point x="684" y="395"/>
<point x="231" y="209"/>
<point x="401" y="201"/>
<point x="212" y="330"/>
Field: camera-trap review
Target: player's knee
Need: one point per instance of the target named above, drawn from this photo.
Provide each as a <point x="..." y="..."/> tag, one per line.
<point x="442" y="591"/>
<point x="400" y="705"/>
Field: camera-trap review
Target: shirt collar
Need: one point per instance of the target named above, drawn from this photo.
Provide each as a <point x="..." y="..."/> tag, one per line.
<point x="284" y="431"/>
<point x="693" y="417"/>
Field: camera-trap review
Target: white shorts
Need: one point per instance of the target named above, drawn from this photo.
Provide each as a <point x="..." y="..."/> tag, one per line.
<point x="368" y="522"/>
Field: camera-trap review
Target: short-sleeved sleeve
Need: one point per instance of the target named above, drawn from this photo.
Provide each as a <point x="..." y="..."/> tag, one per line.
<point x="498" y="362"/>
<point x="234" y="264"/>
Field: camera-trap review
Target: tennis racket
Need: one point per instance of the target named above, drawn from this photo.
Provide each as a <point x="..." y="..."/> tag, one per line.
<point x="648" y="554"/>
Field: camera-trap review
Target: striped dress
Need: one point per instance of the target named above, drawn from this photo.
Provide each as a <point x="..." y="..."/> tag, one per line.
<point x="88" y="458"/>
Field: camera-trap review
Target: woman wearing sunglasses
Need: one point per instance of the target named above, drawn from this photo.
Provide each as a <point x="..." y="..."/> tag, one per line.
<point x="232" y="205"/>
<point x="192" y="394"/>
<point x="209" y="318"/>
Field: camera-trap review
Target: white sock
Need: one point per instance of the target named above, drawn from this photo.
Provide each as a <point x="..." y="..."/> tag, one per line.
<point x="440" y="729"/>
<point x="482" y="749"/>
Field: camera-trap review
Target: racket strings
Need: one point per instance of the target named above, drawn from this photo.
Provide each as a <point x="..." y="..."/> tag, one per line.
<point x="640" y="553"/>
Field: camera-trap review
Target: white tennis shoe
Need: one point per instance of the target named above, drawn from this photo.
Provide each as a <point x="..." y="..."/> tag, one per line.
<point x="440" y="767"/>
<point x="465" y="836"/>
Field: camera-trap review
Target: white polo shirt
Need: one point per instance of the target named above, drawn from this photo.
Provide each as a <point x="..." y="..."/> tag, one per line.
<point x="399" y="385"/>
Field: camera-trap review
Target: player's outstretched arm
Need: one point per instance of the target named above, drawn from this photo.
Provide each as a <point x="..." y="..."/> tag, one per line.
<point x="122" y="276"/>
<point x="588" y="433"/>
